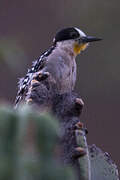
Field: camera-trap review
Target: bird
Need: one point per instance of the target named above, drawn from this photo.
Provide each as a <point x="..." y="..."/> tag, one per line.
<point x="59" y="61"/>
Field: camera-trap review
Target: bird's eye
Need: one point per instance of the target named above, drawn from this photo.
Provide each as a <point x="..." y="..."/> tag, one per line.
<point x="73" y="35"/>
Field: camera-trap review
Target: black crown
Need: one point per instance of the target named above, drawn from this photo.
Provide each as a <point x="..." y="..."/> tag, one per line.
<point x="66" y="34"/>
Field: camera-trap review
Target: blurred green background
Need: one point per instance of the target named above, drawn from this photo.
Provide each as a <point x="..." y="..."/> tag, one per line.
<point x="27" y="28"/>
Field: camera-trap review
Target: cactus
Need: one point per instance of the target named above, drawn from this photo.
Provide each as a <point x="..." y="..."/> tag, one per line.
<point x="8" y="153"/>
<point x="95" y="165"/>
<point x="102" y="167"/>
<point x="28" y="142"/>
<point x="84" y="162"/>
<point x="29" y="149"/>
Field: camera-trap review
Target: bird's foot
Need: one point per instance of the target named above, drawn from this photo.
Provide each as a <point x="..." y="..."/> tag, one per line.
<point x="39" y="76"/>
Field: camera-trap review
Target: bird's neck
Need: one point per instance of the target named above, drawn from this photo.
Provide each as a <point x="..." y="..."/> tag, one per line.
<point x="71" y="47"/>
<point x="67" y="46"/>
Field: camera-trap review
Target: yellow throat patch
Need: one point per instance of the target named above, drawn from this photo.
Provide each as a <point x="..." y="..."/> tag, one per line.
<point x="78" y="48"/>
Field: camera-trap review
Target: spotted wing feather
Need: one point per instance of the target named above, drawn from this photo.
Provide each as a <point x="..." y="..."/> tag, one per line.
<point x="23" y="83"/>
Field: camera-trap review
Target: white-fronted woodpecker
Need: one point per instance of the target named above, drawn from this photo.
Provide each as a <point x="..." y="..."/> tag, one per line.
<point x="59" y="61"/>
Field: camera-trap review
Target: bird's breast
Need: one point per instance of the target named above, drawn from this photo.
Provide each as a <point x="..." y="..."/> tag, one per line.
<point x="66" y="74"/>
<point x="62" y="68"/>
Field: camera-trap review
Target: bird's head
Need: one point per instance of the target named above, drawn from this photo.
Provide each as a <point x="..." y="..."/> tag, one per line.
<point x="74" y="36"/>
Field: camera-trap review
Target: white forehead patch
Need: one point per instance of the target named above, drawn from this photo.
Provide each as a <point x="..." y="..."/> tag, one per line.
<point x="82" y="34"/>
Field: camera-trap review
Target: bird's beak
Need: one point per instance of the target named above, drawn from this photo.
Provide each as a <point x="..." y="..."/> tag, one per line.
<point x="88" y="39"/>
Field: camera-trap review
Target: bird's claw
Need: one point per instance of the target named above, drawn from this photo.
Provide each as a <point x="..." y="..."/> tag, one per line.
<point x="39" y="76"/>
<point x="34" y="81"/>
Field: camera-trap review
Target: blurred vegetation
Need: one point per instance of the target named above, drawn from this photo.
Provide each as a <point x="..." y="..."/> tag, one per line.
<point x="11" y="54"/>
<point x="28" y="142"/>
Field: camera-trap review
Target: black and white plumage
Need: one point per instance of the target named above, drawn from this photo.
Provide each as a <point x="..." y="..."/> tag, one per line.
<point x="24" y="82"/>
<point x="59" y="61"/>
